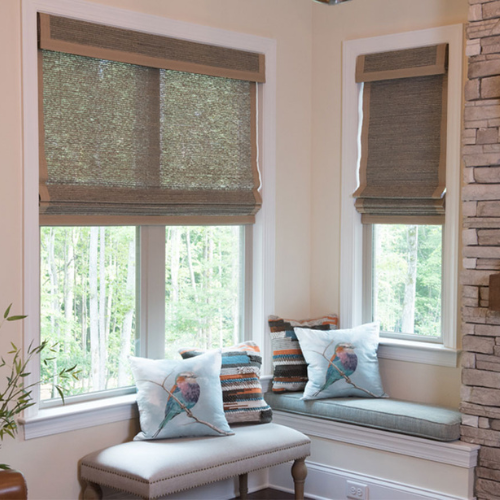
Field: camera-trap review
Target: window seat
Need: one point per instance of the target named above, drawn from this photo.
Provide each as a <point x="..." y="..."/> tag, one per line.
<point x="414" y="419"/>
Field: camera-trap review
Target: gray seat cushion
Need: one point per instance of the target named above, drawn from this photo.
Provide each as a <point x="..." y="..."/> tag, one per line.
<point x="152" y="469"/>
<point x="431" y="422"/>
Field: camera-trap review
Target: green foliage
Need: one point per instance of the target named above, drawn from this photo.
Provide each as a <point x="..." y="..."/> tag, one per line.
<point x="392" y="253"/>
<point x="66" y="295"/>
<point x="203" y="296"/>
<point x="16" y="396"/>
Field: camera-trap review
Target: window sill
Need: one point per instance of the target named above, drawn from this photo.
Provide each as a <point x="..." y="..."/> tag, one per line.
<point x="79" y="416"/>
<point x="418" y="352"/>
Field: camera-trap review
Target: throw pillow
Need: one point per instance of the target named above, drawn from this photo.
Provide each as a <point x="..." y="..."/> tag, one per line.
<point x="290" y="368"/>
<point x="342" y="363"/>
<point x="240" y="380"/>
<point x="180" y="398"/>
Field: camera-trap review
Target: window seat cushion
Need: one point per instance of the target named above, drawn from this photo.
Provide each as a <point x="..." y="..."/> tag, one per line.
<point x="414" y="419"/>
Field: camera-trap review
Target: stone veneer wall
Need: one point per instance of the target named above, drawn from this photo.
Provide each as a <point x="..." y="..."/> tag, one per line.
<point x="481" y="244"/>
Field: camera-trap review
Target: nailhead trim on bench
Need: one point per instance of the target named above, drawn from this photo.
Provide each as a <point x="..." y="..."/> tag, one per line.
<point x="192" y="471"/>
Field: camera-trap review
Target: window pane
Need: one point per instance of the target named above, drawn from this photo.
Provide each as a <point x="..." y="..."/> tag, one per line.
<point x="88" y="305"/>
<point x="407" y="262"/>
<point x="204" y="287"/>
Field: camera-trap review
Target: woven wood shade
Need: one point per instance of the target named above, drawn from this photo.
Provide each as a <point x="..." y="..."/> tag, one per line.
<point x="115" y="44"/>
<point x="402" y="169"/>
<point x="127" y="143"/>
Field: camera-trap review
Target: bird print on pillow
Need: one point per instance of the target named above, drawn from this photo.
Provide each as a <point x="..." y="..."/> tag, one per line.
<point x="182" y="396"/>
<point x="342" y="365"/>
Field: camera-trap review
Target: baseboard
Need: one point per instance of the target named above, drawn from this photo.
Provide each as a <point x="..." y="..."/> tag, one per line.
<point x="331" y="483"/>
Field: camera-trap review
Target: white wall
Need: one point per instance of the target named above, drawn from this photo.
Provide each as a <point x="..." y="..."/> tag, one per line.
<point x="309" y="40"/>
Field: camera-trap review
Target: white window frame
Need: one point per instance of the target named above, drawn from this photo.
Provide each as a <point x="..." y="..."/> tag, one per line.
<point x="351" y="268"/>
<point x="49" y="421"/>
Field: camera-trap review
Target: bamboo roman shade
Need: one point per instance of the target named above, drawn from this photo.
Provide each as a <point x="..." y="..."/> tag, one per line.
<point x="403" y="136"/>
<point x="139" y="128"/>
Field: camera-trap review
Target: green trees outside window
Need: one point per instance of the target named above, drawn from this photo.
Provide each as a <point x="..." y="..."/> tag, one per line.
<point x="89" y="290"/>
<point x="88" y="277"/>
<point x="204" y="287"/>
<point x="406" y="279"/>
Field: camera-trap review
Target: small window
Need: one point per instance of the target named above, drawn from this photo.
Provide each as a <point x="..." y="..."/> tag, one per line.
<point x="405" y="274"/>
<point x="356" y="239"/>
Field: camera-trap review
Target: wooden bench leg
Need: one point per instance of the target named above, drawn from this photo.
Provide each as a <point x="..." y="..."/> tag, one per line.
<point x="92" y="492"/>
<point x="243" y="486"/>
<point x="299" y="473"/>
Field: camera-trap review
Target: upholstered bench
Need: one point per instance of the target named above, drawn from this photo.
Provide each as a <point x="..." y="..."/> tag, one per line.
<point x="151" y="469"/>
<point x="415" y="419"/>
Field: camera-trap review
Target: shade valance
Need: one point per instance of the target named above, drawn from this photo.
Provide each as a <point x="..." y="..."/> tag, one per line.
<point x="128" y="142"/>
<point x="82" y="38"/>
<point x="403" y="137"/>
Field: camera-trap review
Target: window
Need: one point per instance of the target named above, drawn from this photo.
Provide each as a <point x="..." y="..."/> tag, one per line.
<point x="402" y="186"/>
<point x="363" y="256"/>
<point x="205" y="292"/>
<point x="89" y="291"/>
<point x="404" y="280"/>
<point x="88" y="305"/>
<point x="258" y="241"/>
<point x="127" y="135"/>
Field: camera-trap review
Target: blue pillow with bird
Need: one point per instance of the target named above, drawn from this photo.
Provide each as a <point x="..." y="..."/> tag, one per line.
<point x="341" y="363"/>
<point x="180" y="398"/>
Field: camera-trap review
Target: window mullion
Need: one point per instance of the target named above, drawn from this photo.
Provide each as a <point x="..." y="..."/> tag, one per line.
<point x="151" y="291"/>
<point x="367" y="311"/>
<point x="246" y="282"/>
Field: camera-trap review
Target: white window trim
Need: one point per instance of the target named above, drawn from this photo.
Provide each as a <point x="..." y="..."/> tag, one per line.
<point x="54" y="420"/>
<point x="351" y="269"/>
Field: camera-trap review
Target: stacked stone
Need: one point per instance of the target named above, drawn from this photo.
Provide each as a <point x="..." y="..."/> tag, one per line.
<point x="481" y="245"/>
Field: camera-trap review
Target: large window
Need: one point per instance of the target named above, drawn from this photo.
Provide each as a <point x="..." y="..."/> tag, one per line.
<point x="151" y="308"/>
<point x="147" y="131"/>
<point x="90" y="288"/>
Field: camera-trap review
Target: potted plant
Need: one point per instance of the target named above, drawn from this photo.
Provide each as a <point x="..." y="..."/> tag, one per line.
<point x="15" y="397"/>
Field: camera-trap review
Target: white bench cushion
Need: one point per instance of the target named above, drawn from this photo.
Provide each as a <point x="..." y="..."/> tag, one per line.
<point x="152" y="469"/>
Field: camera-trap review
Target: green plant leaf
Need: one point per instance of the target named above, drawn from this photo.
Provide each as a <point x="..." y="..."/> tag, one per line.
<point x="60" y="391"/>
<point x="4" y="467"/>
<point x="7" y="311"/>
<point x="15" y="318"/>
